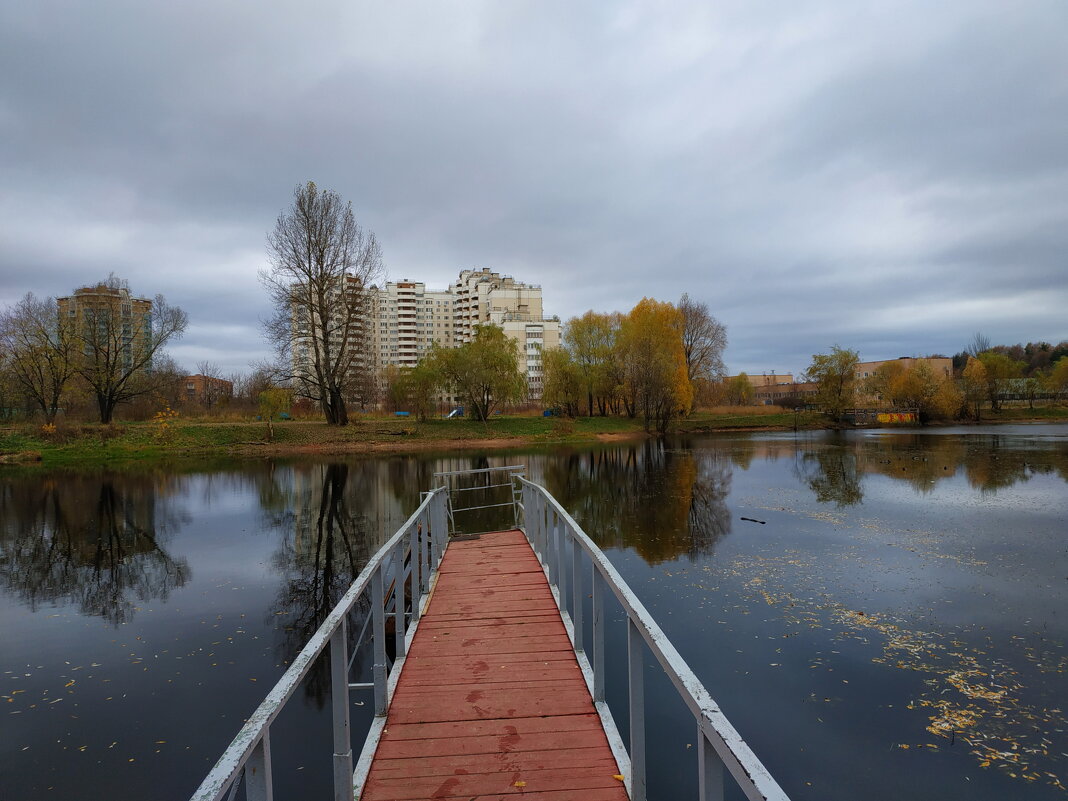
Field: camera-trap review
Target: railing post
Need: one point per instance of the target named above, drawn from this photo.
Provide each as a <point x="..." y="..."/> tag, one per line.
<point x="709" y="770"/>
<point x="576" y="594"/>
<point x="552" y="532"/>
<point x="378" y="635"/>
<point x="442" y="525"/>
<point x="528" y="514"/>
<point x="435" y="544"/>
<point x="398" y="599"/>
<point x="597" y="585"/>
<point x="515" y="497"/>
<point x="413" y="558"/>
<point x="539" y="525"/>
<point x="561" y="561"/>
<point x="258" y="783"/>
<point x="636" y="677"/>
<point x="339" y="701"/>
<point x="424" y="553"/>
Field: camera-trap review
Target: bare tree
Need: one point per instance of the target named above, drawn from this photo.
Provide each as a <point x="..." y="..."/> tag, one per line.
<point x="980" y="344"/>
<point x="322" y="264"/>
<point x="704" y="338"/>
<point x="40" y="351"/>
<point x="214" y="385"/>
<point x="120" y="347"/>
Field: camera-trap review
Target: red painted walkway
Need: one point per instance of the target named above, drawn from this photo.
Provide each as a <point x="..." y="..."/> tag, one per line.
<point x="491" y="702"/>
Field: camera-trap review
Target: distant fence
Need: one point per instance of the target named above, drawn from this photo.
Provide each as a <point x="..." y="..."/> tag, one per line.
<point x="874" y="416"/>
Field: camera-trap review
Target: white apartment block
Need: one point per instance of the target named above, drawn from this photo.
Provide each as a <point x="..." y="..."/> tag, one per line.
<point x="408" y="319"/>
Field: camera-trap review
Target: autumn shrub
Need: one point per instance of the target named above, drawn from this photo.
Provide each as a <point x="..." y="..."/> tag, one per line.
<point x="163" y="430"/>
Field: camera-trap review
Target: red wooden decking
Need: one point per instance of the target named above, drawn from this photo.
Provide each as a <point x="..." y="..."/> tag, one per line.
<point x="491" y="702"/>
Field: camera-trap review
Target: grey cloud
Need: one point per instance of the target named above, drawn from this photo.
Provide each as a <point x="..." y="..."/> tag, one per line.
<point x="816" y="173"/>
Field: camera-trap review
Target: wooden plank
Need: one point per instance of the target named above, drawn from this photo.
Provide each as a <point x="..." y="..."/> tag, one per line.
<point x="489" y="744"/>
<point x="491" y="702"/>
<point x="476" y="785"/>
<point x="545" y="759"/>
<point x="511" y="619"/>
<point x="491" y="728"/>
<point x="522" y="628"/>
<point x="488" y="704"/>
<point x="534" y="607"/>
<point x="515" y="674"/>
<point x="485" y="596"/>
<point x="483" y="645"/>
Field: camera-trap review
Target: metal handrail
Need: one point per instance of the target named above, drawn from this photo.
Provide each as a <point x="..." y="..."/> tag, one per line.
<point x="559" y="543"/>
<point x="248" y="757"/>
<point x="511" y="472"/>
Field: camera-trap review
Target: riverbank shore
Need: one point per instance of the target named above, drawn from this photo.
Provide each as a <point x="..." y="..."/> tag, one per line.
<point x="93" y="444"/>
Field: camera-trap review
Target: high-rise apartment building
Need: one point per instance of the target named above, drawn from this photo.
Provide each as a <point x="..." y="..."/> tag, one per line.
<point x="335" y="332"/>
<point x="108" y="318"/>
<point x="407" y="319"/>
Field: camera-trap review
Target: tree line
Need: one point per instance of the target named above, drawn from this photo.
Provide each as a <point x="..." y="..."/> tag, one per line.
<point x="650" y="362"/>
<point x="986" y="376"/>
<point x="95" y="355"/>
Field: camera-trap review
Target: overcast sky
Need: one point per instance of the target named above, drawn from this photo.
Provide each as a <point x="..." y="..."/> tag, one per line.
<point x="891" y="177"/>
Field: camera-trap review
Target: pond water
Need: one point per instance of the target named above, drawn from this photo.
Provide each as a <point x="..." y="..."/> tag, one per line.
<point x="879" y="613"/>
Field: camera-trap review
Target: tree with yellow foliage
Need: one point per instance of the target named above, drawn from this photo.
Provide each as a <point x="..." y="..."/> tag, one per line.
<point x="1057" y="380"/>
<point x="974" y="382"/>
<point x="932" y="395"/>
<point x="651" y="351"/>
<point x="590" y="340"/>
<point x="563" y="386"/>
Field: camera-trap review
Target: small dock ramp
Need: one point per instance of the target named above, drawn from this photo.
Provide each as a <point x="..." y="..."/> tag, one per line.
<point x="492" y="701"/>
<point x="491" y="683"/>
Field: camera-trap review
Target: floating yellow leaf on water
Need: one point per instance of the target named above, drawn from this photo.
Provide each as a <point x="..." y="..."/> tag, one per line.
<point x="618" y="776"/>
<point x="520" y="784"/>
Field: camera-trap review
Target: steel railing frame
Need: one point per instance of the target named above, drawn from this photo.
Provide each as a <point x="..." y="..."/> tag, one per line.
<point x="511" y="472"/>
<point x="559" y="543"/>
<point x="247" y="760"/>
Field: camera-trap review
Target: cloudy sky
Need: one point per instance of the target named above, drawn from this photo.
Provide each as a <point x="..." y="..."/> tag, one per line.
<point x="889" y="176"/>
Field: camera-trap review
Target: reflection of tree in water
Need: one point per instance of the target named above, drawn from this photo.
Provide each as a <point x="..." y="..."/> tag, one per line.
<point x="662" y="503"/>
<point x="990" y="462"/>
<point x="91" y="540"/>
<point x="832" y="474"/>
<point x="334" y="517"/>
<point x="328" y="545"/>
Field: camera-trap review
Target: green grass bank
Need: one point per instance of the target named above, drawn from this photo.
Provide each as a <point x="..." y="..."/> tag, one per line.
<point x="96" y="444"/>
<point x="93" y="444"/>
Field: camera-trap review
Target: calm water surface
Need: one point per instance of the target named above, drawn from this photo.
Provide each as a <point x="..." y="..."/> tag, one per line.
<point x="888" y="622"/>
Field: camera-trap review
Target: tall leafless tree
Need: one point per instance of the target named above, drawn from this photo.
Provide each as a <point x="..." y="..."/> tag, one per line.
<point x="980" y="344"/>
<point x="40" y="350"/>
<point x="322" y="264"/>
<point x="215" y="388"/>
<point x="704" y="338"/>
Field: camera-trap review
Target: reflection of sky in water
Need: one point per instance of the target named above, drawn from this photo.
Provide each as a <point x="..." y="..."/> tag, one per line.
<point x="955" y="578"/>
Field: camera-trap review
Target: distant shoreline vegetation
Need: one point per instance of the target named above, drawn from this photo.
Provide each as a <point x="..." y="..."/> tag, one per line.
<point x="169" y="437"/>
